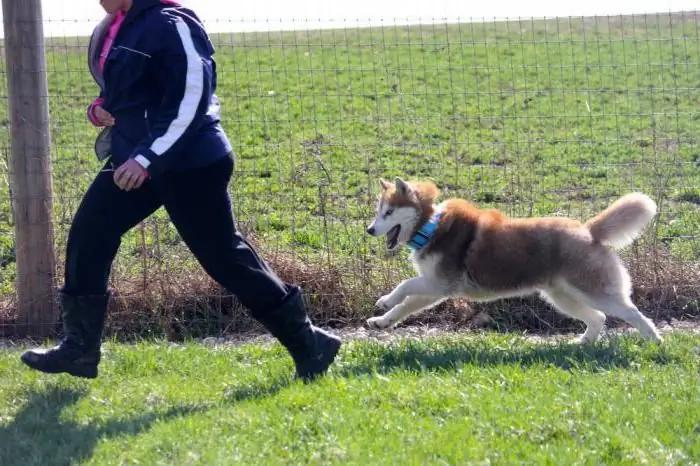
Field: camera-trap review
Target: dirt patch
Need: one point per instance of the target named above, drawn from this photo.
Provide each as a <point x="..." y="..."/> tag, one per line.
<point x="421" y="332"/>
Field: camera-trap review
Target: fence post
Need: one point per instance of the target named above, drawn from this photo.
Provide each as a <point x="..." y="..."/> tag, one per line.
<point x="30" y="166"/>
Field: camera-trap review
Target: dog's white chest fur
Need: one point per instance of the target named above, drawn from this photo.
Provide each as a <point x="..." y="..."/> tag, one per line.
<point x="426" y="265"/>
<point x="430" y="267"/>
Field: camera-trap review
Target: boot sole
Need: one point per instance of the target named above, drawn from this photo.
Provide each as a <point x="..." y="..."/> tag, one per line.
<point x="76" y="370"/>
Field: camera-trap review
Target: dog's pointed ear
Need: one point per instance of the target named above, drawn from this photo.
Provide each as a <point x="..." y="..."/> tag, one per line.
<point x="401" y="186"/>
<point x="384" y="183"/>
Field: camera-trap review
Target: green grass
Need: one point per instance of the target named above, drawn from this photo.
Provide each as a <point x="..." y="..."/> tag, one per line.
<point x="534" y="117"/>
<point x="453" y="399"/>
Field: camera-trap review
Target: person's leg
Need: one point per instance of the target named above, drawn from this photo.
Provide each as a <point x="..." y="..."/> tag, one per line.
<point x="104" y="215"/>
<point x="199" y="206"/>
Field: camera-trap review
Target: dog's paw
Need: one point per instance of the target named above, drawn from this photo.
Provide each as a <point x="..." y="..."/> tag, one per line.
<point x="377" y="323"/>
<point x="581" y="340"/>
<point x="384" y="303"/>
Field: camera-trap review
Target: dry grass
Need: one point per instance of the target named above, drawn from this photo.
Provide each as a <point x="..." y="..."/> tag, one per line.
<point x="195" y="305"/>
<point x="189" y="304"/>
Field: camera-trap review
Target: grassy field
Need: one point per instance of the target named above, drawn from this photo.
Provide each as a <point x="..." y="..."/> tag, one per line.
<point x="535" y="117"/>
<point x="452" y="399"/>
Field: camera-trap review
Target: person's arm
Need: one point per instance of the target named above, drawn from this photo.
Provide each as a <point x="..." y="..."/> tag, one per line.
<point x="185" y="81"/>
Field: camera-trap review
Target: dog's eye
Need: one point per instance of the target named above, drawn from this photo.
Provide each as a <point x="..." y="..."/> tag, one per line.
<point x="388" y="212"/>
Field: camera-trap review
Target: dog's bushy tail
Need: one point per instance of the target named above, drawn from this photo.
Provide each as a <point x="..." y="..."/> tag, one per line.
<point x="621" y="223"/>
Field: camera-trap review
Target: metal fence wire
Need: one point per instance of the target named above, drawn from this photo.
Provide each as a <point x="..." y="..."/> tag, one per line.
<point x="533" y="116"/>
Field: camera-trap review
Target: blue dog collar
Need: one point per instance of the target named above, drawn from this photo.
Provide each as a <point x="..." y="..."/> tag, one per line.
<point x="423" y="235"/>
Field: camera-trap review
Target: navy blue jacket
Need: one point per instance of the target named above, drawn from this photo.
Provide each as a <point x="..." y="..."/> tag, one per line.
<point x="158" y="83"/>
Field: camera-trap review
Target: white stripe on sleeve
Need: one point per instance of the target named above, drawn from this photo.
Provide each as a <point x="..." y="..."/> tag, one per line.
<point x="194" y="88"/>
<point x="143" y="161"/>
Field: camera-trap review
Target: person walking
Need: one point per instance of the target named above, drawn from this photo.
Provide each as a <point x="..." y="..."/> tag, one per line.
<point x="165" y="146"/>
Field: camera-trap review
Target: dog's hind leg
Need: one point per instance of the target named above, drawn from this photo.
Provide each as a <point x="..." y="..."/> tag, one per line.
<point x="603" y="283"/>
<point x="621" y="306"/>
<point x="408" y="306"/>
<point x="569" y="306"/>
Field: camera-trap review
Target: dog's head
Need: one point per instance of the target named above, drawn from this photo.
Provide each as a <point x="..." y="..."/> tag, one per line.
<point x="401" y="210"/>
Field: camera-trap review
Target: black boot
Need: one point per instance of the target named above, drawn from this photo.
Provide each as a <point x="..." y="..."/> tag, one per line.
<point x="78" y="354"/>
<point x="312" y="349"/>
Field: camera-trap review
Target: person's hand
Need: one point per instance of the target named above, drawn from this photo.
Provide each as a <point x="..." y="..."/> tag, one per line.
<point x="130" y="175"/>
<point x="103" y="116"/>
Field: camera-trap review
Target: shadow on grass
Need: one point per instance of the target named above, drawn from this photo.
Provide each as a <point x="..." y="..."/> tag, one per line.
<point x="447" y="355"/>
<point x="38" y="435"/>
<point x="256" y="389"/>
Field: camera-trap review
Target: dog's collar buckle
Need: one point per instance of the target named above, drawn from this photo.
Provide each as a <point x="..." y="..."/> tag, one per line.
<point x="423" y="235"/>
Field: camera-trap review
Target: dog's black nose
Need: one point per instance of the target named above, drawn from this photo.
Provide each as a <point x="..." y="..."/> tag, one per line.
<point x="370" y="230"/>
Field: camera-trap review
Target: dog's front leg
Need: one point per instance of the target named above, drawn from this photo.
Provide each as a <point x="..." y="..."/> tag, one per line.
<point x="408" y="297"/>
<point x="412" y="286"/>
<point x="409" y="306"/>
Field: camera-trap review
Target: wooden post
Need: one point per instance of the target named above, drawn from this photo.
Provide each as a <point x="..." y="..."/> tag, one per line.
<point x="30" y="166"/>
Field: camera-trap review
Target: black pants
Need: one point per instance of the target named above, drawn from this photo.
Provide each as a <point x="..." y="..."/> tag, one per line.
<point x="198" y="204"/>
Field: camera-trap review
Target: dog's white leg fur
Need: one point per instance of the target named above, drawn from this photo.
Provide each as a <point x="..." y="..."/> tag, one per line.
<point x="408" y="306"/>
<point x="617" y="303"/>
<point x="623" y="308"/>
<point x="409" y="287"/>
<point x="568" y="305"/>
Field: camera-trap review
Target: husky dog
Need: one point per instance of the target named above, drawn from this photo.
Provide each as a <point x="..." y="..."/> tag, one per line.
<point x="462" y="251"/>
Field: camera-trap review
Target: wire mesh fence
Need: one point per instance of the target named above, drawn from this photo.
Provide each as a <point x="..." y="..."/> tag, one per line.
<point x="533" y="116"/>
